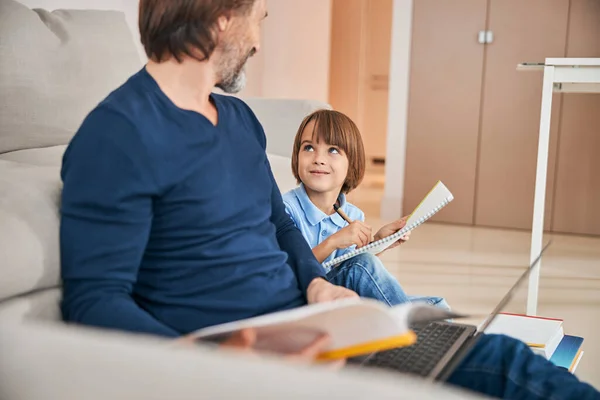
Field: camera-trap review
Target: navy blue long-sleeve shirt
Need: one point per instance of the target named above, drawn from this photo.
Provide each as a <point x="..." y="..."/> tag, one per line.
<point x="169" y="223"/>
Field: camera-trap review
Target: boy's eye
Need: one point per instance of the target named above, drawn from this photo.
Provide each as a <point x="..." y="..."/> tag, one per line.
<point x="334" y="150"/>
<point x="308" y="147"/>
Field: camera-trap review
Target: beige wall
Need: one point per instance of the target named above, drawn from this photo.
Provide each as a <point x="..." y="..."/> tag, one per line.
<point x="254" y="75"/>
<point x="294" y="59"/>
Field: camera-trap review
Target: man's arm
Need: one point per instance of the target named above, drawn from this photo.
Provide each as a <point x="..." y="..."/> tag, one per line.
<point x="300" y="256"/>
<point x="105" y="224"/>
<point x="290" y="239"/>
<point x="321" y="251"/>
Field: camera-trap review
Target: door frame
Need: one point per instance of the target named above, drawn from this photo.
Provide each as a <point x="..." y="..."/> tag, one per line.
<point x="399" y="79"/>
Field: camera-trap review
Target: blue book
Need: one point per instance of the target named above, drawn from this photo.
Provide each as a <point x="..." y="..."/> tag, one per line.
<point x="567" y="352"/>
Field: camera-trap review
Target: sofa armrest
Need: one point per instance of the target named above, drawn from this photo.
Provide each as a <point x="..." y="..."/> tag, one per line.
<point x="53" y="361"/>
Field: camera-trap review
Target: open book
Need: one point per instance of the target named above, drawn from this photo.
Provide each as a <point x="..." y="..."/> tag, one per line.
<point x="435" y="200"/>
<point x="355" y="326"/>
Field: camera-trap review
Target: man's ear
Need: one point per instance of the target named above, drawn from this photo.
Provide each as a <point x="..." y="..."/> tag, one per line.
<point x="223" y="23"/>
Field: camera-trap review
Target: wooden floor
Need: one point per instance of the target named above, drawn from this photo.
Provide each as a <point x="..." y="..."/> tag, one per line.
<point x="473" y="268"/>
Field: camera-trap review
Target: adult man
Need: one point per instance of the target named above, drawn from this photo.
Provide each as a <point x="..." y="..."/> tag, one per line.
<point x="171" y="220"/>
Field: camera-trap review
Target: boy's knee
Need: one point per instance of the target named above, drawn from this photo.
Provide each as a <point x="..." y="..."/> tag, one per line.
<point x="368" y="262"/>
<point x="365" y="258"/>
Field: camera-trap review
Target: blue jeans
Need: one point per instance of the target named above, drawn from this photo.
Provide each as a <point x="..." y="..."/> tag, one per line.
<point x="367" y="276"/>
<point x="503" y="367"/>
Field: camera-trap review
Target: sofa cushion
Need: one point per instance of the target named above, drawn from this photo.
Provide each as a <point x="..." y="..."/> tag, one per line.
<point x="47" y="156"/>
<point x="42" y="305"/>
<point x="282" y="172"/>
<point x="29" y="208"/>
<point x="281" y="118"/>
<point x="55" y="67"/>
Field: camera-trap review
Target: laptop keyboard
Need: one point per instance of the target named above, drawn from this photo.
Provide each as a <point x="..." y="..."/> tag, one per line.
<point x="433" y="342"/>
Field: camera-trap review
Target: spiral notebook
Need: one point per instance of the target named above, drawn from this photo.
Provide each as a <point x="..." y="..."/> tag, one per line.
<point x="435" y="200"/>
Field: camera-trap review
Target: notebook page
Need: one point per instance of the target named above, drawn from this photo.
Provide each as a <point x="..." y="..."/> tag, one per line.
<point x="438" y="195"/>
<point x="436" y="199"/>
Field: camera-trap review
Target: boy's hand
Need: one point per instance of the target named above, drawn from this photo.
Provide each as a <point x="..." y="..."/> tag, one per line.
<point x="357" y="233"/>
<point x="392" y="228"/>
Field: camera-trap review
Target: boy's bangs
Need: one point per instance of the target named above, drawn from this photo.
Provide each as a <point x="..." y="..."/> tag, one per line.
<point x="330" y="131"/>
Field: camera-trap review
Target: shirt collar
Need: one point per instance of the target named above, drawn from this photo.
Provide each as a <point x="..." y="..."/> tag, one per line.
<point x="312" y="212"/>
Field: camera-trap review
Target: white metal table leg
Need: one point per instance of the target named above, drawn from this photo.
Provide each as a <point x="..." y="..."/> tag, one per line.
<point x="537" y="231"/>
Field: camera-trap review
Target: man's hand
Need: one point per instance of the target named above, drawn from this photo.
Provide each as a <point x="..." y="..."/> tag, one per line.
<point x="321" y="291"/>
<point x="245" y="340"/>
<point x="357" y="233"/>
<point x="392" y="228"/>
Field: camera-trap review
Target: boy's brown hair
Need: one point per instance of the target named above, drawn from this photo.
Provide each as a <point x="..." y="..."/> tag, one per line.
<point x="336" y="129"/>
<point x="172" y="28"/>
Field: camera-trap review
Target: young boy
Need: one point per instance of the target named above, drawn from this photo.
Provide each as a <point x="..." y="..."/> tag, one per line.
<point x="328" y="160"/>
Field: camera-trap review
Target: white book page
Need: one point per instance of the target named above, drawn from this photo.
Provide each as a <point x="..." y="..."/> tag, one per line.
<point x="348" y="322"/>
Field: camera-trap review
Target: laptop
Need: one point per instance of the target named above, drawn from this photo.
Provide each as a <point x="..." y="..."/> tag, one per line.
<point x="440" y="346"/>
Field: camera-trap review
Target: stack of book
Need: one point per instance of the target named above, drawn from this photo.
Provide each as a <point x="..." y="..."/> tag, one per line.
<point x="545" y="336"/>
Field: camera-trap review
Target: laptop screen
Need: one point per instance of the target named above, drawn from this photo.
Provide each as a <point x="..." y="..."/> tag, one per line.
<point x="512" y="291"/>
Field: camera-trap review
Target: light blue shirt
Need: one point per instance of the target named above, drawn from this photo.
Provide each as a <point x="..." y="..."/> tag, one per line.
<point x="315" y="225"/>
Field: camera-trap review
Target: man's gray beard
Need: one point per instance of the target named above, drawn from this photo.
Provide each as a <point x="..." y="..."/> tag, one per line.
<point x="235" y="83"/>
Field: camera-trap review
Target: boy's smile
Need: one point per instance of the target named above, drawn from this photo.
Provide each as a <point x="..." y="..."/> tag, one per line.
<point x="322" y="167"/>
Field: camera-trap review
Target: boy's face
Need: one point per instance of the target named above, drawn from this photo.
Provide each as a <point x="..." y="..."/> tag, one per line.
<point x="321" y="167"/>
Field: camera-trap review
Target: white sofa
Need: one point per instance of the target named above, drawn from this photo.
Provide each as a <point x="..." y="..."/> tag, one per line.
<point x="54" y="67"/>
